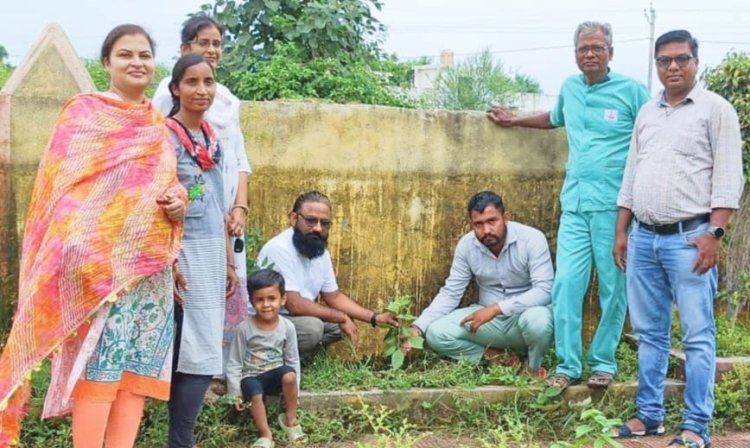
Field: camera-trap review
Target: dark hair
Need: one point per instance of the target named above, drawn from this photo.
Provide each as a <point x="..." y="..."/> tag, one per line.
<point x="677" y="36"/>
<point x="117" y="32"/>
<point x="310" y="196"/>
<point x="178" y="72"/>
<point x="264" y="278"/>
<point x="481" y="200"/>
<point x="197" y="22"/>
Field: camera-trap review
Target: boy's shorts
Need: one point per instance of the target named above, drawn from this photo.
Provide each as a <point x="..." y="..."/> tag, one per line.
<point x="267" y="383"/>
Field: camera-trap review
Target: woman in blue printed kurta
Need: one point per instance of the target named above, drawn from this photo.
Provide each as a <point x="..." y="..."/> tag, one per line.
<point x="202" y="268"/>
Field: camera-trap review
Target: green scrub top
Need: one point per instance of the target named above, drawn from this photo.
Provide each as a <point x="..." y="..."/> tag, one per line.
<point x="598" y="120"/>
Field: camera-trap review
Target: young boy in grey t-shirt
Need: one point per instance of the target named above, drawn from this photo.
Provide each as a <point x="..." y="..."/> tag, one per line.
<point x="263" y="359"/>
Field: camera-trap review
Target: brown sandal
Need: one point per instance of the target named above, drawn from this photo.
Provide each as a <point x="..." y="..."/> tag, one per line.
<point x="561" y="381"/>
<point x="600" y="380"/>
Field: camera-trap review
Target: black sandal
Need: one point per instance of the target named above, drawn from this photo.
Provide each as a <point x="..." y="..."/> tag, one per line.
<point x="624" y="431"/>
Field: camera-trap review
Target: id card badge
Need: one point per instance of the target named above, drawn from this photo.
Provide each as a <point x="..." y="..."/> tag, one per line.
<point x="610" y="115"/>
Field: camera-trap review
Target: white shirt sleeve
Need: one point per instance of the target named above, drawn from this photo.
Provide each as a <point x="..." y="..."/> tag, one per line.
<point x="162" y="98"/>
<point x="283" y="261"/>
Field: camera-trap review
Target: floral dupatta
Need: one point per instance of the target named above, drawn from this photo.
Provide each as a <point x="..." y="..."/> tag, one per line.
<point x="93" y="230"/>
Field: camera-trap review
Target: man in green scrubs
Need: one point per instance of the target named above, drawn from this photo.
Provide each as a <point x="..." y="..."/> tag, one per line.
<point x="597" y="108"/>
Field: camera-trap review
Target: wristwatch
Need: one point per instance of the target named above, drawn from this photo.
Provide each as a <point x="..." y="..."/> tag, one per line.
<point x="718" y="232"/>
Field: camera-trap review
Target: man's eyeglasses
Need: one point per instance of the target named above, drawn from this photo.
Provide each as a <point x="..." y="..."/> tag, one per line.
<point x="598" y="50"/>
<point x="205" y="43"/>
<point x="312" y="221"/>
<point x="682" y="60"/>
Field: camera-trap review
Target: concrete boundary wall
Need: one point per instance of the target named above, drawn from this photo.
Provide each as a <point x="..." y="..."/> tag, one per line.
<point x="30" y="102"/>
<point x="399" y="179"/>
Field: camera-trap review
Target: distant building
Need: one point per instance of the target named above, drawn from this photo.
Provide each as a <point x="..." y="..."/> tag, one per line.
<point x="425" y="77"/>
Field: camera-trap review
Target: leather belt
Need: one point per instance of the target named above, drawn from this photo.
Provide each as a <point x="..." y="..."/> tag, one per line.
<point x="676" y="227"/>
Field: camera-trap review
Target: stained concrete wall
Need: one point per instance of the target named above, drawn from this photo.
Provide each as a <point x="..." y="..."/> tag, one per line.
<point x="30" y="102"/>
<point x="399" y="179"/>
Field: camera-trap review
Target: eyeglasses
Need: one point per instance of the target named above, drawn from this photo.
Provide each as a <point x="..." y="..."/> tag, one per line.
<point x="682" y="60"/>
<point x="597" y="50"/>
<point x="312" y="221"/>
<point x="205" y="43"/>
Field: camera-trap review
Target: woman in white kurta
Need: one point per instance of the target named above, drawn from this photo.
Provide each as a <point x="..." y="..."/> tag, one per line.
<point x="203" y="35"/>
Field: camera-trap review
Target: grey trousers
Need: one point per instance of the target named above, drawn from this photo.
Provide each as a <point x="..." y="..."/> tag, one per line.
<point x="313" y="334"/>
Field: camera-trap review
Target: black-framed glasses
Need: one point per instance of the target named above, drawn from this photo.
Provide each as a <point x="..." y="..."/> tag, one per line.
<point x="205" y="43"/>
<point x="681" y="60"/>
<point x="312" y="221"/>
<point x="597" y="50"/>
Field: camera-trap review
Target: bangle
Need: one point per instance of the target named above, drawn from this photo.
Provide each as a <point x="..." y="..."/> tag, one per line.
<point x="230" y="265"/>
<point x="243" y="207"/>
<point x="374" y="320"/>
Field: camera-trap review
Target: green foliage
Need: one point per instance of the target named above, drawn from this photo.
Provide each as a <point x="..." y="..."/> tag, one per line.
<point x="3" y="56"/>
<point x="425" y="369"/>
<point x="594" y="429"/>
<point x="731" y="79"/>
<point x="495" y="424"/>
<point x="101" y="78"/>
<point x="254" y="241"/>
<point x="388" y="435"/>
<point x="732" y="395"/>
<point x="5" y="72"/>
<point x="740" y="295"/>
<point x="316" y="49"/>
<point x="318" y="28"/>
<point x="732" y="337"/>
<point x="395" y="337"/>
<point x="478" y="83"/>
<point x="285" y="75"/>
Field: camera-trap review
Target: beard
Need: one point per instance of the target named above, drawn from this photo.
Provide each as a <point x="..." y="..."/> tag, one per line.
<point x="311" y="245"/>
<point x="490" y="240"/>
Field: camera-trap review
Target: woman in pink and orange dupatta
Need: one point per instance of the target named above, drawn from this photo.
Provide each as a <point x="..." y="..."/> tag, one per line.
<point x="102" y="232"/>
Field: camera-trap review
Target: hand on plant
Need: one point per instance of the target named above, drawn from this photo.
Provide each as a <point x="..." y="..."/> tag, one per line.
<point x="481" y="317"/>
<point x="406" y="345"/>
<point x="387" y="318"/>
<point x="403" y="337"/>
<point x="349" y="329"/>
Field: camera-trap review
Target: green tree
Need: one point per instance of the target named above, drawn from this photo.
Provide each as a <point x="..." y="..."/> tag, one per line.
<point x="5" y="72"/>
<point x="731" y="79"/>
<point x="320" y="49"/>
<point x="5" y="68"/>
<point x="286" y="75"/>
<point x="317" y="28"/>
<point x="478" y="83"/>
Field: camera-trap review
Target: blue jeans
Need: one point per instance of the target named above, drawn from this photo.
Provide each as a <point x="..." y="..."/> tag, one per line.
<point x="659" y="273"/>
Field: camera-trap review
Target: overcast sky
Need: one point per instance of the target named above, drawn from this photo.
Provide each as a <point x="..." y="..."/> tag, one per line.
<point x="530" y="36"/>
